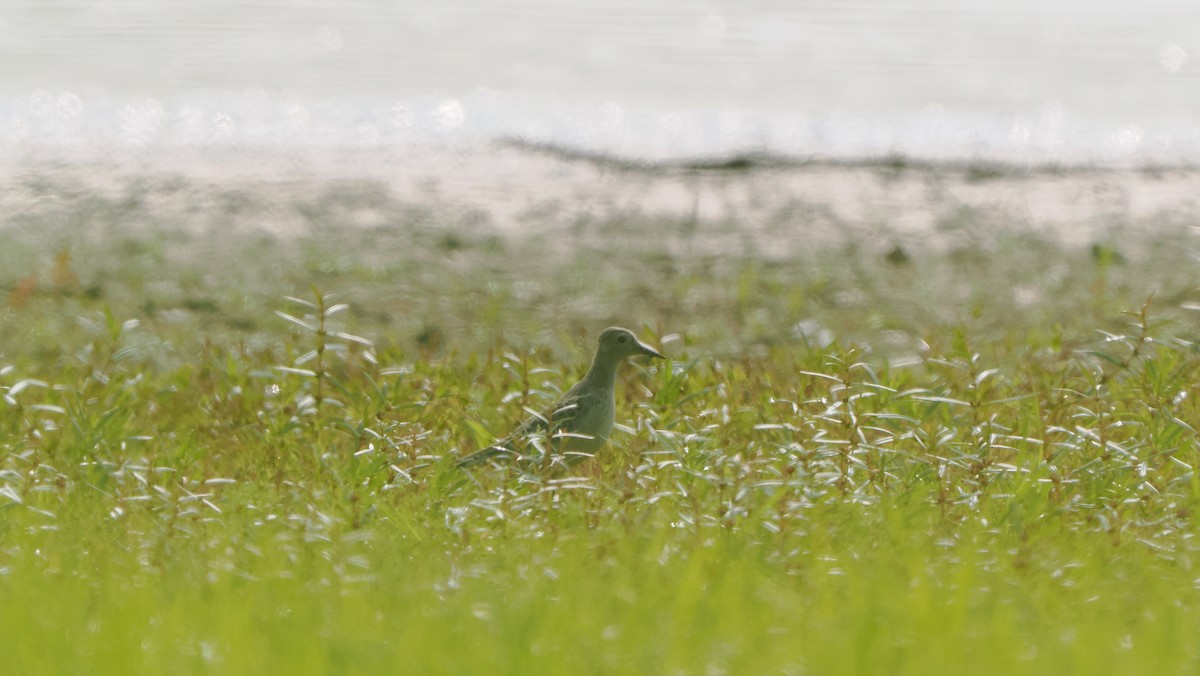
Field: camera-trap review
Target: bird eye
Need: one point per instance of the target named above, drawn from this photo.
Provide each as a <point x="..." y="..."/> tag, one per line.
<point x="621" y="339"/>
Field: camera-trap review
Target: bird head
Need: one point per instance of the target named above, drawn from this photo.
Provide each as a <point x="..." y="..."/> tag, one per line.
<point x="620" y="343"/>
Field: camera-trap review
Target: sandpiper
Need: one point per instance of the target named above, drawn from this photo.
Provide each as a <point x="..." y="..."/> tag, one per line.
<point x="579" y="423"/>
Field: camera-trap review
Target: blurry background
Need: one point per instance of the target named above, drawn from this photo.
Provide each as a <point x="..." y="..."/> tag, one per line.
<point x="462" y="168"/>
<point x="1106" y="82"/>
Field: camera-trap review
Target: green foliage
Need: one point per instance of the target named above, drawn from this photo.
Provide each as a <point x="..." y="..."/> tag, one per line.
<point x="845" y="467"/>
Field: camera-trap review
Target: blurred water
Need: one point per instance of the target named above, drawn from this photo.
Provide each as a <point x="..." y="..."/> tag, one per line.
<point x="1107" y="82"/>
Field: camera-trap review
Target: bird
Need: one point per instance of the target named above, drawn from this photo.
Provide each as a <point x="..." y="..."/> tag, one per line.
<point x="578" y="424"/>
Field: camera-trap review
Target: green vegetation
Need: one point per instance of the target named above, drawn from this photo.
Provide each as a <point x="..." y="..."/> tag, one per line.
<point x="975" y="457"/>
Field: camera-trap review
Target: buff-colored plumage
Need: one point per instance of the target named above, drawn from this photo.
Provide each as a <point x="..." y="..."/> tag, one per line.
<point x="579" y="423"/>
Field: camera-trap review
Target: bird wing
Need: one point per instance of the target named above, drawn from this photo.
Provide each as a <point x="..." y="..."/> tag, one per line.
<point x="529" y="433"/>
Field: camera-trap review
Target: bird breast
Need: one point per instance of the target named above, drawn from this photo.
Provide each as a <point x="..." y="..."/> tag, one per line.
<point x="592" y="421"/>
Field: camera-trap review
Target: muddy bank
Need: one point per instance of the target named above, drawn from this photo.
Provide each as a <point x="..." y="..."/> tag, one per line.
<point x="513" y="192"/>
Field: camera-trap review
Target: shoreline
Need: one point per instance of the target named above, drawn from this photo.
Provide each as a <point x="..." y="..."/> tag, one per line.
<point x="514" y="191"/>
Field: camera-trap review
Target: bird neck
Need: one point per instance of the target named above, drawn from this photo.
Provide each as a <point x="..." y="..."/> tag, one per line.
<point x="603" y="371"/>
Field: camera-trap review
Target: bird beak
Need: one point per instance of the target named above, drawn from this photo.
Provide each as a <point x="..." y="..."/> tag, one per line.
<point x="649" y="351"/>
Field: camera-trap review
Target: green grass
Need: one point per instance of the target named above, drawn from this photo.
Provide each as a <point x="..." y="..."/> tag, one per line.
<point x="980" y="458"/>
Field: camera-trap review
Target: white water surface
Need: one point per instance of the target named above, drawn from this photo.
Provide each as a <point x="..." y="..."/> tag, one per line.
<point x="1028" y="82"/>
